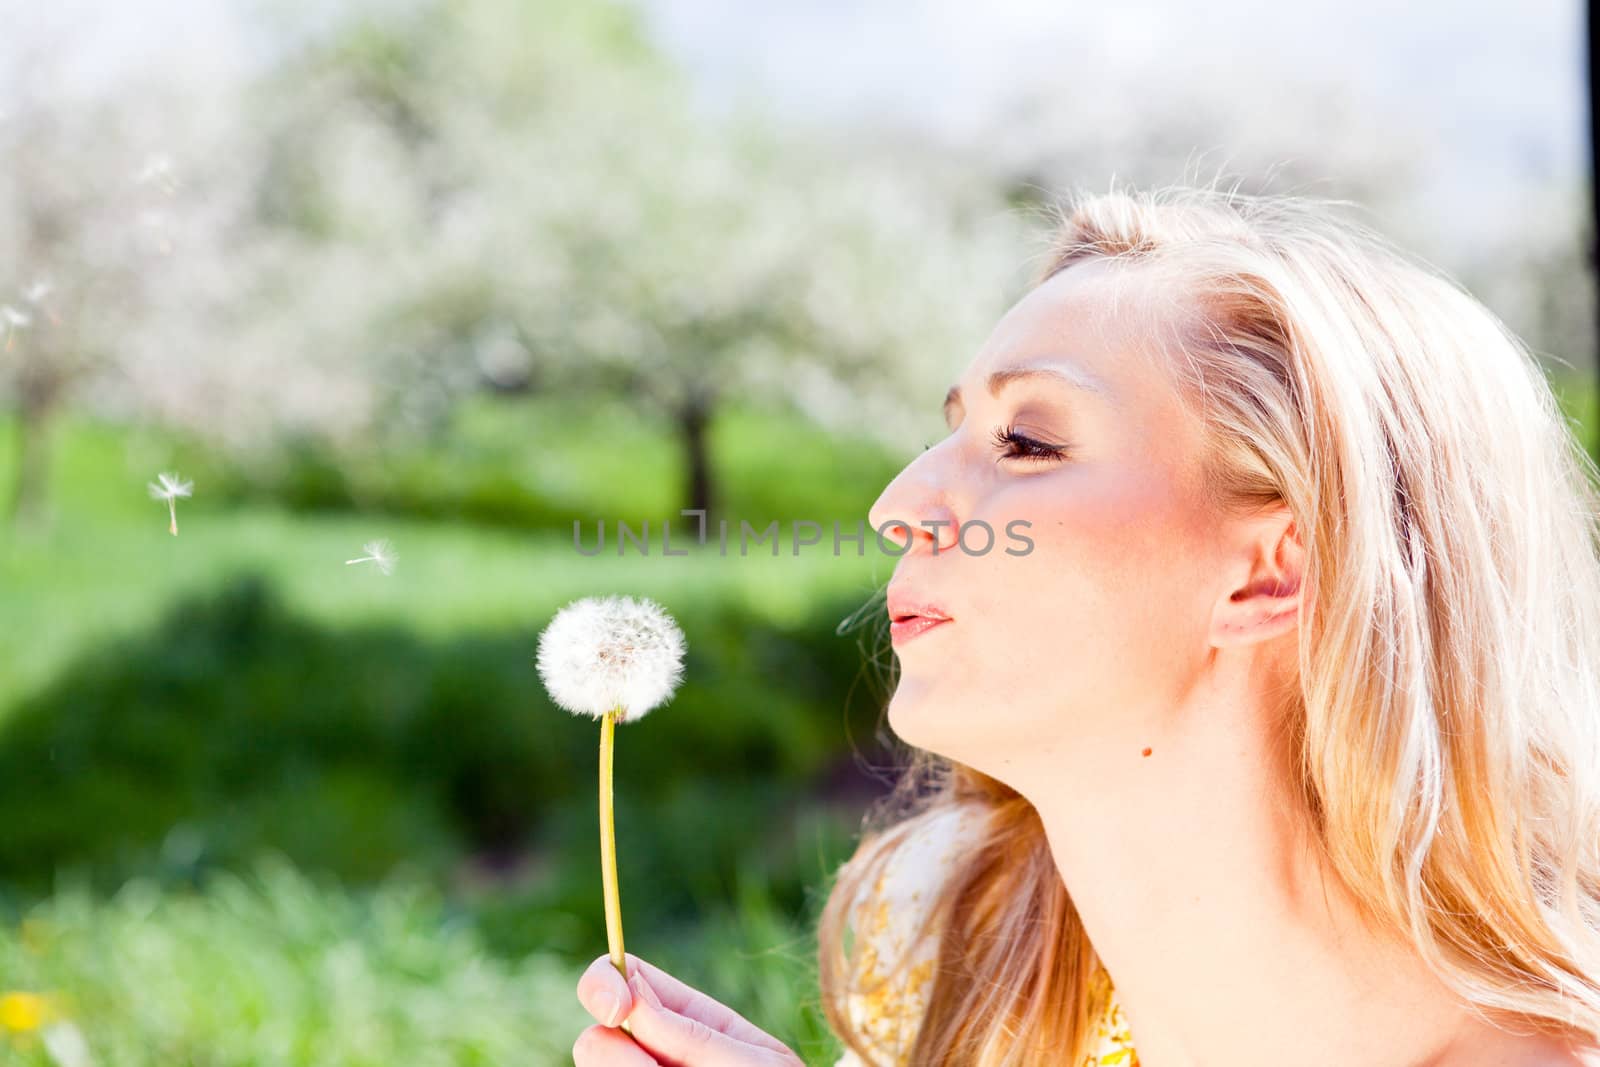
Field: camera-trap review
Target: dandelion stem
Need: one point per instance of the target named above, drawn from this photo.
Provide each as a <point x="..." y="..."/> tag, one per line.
<point x="608" y="850"/>
<point x="172" y="509"/>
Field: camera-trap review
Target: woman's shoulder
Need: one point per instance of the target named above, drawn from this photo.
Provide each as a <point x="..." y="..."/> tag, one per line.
<point x="932" y="840"/>
<point x="896" y="949"/>
<point x="893" y="908"/>
<point x="896" y="943"/>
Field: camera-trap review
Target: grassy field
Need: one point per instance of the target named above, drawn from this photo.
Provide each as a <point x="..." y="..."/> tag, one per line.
<point x="207" y="737"/>
<point x="107" y="563"/>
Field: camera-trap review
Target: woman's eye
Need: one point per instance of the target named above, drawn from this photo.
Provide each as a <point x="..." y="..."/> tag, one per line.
<point x="1014" y="445"/>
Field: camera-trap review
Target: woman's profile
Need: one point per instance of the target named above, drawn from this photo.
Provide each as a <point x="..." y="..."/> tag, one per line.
<point x="1280" y="743"/>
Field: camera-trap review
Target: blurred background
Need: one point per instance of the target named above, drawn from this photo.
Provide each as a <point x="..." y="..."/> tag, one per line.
<point x="454" y="274"/>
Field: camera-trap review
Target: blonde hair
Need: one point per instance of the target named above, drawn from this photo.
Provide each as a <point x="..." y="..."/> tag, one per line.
<point x="1447" y="724"/>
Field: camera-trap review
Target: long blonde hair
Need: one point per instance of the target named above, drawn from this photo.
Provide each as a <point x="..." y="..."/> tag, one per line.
<point x="1447" y="728"/>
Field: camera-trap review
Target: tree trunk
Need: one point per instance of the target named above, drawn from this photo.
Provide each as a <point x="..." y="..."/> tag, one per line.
<point x="32" y="469"/>
<point x="694" y="420"/>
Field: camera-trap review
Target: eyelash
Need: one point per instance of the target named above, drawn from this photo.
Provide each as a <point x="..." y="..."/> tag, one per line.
<point x="1021" y="446"/>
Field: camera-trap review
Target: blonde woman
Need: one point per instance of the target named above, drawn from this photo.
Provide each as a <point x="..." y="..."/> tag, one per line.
<point x="1279" y="742"/>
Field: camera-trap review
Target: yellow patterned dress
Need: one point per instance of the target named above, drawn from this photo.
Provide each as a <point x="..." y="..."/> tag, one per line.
<point x="888" y="1015"/>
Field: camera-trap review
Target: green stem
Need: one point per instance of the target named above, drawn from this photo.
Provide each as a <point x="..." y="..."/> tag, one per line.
<point x="608" y="849"/>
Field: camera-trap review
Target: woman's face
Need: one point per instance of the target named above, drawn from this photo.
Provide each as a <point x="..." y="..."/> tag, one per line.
<point x="1087" y="638"/>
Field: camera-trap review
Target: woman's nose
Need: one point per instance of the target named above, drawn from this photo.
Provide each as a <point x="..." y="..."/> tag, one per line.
<point x="914" y="508"/>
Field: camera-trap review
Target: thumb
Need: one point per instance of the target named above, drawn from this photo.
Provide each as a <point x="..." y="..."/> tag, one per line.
<point x="680" y="1039"/>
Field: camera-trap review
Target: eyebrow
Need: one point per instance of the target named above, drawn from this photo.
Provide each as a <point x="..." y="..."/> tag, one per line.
<point x="1068" y="374"/>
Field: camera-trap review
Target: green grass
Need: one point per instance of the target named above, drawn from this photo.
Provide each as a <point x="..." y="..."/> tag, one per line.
<point x="239" y="684"/>
<point x="269" y="968"/>
<point x="106" y="564"/>
<point x="539" y="462"/>
<point x="168" y="704"/>
<point x="272" y="968"/>
<point x="175" y="712"/>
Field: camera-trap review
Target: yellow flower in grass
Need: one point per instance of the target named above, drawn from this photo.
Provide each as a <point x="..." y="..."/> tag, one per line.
<point x="23" y="1013"/>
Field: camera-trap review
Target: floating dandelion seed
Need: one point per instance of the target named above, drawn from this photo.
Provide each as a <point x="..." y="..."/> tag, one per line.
<point x="612" y="658"/>
<point x="13" y="319"/>
<point x="169" y="490"/>
<point x="380" y="552"/>
<point x="35" y="295"/>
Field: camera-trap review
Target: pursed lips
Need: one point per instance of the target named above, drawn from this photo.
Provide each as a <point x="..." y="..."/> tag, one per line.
<point x="910" y="615"/>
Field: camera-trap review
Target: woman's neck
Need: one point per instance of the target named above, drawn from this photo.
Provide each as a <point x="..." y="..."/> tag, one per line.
<point x="1225" y="939"/>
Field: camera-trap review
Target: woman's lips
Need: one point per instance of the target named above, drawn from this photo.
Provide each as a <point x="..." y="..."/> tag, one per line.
<point x="903" y="630"/>
<point x="912" y="613"/>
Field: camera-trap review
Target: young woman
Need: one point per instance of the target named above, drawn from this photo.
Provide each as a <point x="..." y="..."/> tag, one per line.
<point x="1279" y="742"/>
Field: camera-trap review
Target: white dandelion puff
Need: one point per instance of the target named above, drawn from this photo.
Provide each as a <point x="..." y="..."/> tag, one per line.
<point x="36" y="292"/>
<point x="614" y="658"/>
<point x="611" y="654"/>
<point x="169" y="489"/>
<point x="380" y="552"/>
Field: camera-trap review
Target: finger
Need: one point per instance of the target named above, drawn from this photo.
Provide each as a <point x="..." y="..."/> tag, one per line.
<point x="602" y="991"/>
<point x="605" y="1046"/>
<point x="683" y="1041"/>
<point x="686" y="1000"/>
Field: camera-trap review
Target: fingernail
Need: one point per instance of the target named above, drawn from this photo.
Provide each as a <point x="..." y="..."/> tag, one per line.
<point x="642" y="989"/>
<point x="610" y="1008"/>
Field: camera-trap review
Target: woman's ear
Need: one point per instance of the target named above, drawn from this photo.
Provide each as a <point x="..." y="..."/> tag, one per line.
<point x="1264" y="594"/>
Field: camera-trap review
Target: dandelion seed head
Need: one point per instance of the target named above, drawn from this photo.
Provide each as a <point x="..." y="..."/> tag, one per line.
<point x="36" y="292"/>
<point x="601" y="653"/>
<point x="170" y="487"/>
<point x="14" y="316"/>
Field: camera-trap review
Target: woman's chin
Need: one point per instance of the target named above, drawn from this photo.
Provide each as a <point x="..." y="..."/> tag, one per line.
<point x="918" y="718"/>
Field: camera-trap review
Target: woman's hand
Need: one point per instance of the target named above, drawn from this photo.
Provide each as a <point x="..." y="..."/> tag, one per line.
<point x="672" y="1024"/>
